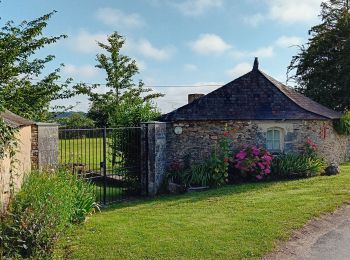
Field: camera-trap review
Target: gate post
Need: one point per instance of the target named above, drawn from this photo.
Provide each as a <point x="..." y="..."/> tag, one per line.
<point x="153" y="159"/>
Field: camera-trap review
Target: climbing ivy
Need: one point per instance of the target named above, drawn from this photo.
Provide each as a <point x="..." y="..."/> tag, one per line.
<point x="342" y="125"/>
<point x="8" y="148"/>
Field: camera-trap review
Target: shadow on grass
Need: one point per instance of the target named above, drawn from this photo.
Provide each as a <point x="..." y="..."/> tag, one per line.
<point x="197" y="196"/>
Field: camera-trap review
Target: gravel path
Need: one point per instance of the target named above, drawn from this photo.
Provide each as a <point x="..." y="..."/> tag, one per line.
<point x="327" y="237"/>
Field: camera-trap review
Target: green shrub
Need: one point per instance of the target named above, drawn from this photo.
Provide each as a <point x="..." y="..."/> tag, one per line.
<point x="342" y="126"/>
<point x="297" y="166"/>
<point x="46" y="204"/>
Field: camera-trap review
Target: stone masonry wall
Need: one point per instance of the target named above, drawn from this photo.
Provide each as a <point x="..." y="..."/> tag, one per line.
<point x="199" y="137"/>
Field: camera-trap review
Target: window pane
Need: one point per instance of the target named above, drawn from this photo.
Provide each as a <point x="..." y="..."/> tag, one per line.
<point x="269" y="134"/>
<point x="276" y="135"/>
<point x="276" y="145"/>
<point x="269" y="144"/>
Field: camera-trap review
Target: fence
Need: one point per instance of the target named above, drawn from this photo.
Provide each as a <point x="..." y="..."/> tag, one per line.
<point x="110" y="158"/>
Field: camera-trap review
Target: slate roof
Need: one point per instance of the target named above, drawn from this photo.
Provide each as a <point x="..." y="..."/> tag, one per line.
<point x="15" y="120"/>
<point x="253" y="96"/>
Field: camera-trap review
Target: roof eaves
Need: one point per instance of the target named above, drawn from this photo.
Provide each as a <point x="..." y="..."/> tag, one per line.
<point x="328" y="114"/>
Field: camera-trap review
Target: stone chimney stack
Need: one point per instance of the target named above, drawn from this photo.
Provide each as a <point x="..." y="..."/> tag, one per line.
<point x="193" y="97"/>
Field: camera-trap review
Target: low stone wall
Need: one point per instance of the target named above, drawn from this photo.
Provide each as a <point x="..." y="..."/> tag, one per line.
<point x="198" y="138"/>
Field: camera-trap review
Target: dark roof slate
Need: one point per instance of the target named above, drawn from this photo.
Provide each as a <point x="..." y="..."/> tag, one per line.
<point x="15" y="120"/>
<point x="253" y="96"/>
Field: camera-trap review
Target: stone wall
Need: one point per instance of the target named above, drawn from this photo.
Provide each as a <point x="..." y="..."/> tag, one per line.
<point x="44" y="146"/>
<point x="21" y="166"/>
<point x="199" y="137"/>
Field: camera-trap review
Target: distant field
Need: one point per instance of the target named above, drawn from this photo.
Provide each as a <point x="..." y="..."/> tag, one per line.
<point x="87" y="151"/>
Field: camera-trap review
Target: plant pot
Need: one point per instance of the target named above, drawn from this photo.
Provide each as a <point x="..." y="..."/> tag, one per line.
<point x="199" y="188"/>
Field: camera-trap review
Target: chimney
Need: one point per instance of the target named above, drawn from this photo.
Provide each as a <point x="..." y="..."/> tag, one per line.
<point x="193" y="97"/>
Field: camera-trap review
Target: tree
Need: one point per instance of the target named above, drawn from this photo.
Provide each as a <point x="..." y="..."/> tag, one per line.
<point x="125" y="103"/>
<point x="24" y="89"/>
<point x="76" y="120"/>
<point x="322" y="67"/>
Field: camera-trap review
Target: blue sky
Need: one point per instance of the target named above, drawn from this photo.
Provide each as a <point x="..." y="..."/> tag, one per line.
<point x="180" y="42"/>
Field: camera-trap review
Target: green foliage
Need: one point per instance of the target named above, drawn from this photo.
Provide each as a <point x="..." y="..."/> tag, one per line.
<point x="46" y="204"/>
<point x="8" y="148"/>
<point x="213" y="172"/>
<point x="76" y="120"/>
<point x="322" y="66"/>
<point x="125" y="103"/>
<point x="342" y="126"/>
<point x="297" y="166"/>
<point x="24" y="89"/>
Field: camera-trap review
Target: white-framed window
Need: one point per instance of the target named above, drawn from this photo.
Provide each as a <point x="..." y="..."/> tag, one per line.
<point x="274" y="139"/>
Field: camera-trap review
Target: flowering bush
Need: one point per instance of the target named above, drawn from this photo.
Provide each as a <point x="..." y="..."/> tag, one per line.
<point x="254" y="161"/>
<point x="310" y="148"/>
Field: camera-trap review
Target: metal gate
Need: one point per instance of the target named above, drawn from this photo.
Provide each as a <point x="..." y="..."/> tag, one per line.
<point x="110" y="158"/>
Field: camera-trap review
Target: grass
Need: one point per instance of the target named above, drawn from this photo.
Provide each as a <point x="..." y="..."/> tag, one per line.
<point x="113" y="192"/>
<point x="234" y="222"/>
<point x="88" y="151"/>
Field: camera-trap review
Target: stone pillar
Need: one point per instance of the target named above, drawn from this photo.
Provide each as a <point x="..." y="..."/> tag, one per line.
<point x="153" y="156"/>
<point x="44" y="146"/>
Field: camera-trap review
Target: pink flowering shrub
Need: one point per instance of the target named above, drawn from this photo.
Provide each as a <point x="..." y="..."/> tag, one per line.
<point x="254" y="161"/>
<point x="310" y="148"/>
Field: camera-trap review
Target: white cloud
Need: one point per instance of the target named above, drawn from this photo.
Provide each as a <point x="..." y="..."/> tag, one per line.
<point x="86" y="71"/>
<point x="239" y="70"/>
<point x="253" y="20"/>
<point x="176" y="97"/>
<point x="263" y="52"/>
<point x="115" y="17"/>
<point x="198" y="7"/>
<point x="287" y="11"/>
<point x="145" y="48"/>
<point x="294" y="11"/>
<point x="86" y="42"/>
<point x="190" y="67"/>
<point x="288" y="41"/>
<point x="210" y="44"/>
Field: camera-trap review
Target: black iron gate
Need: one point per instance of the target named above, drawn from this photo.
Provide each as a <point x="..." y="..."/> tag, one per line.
<point x="110" y="158"/>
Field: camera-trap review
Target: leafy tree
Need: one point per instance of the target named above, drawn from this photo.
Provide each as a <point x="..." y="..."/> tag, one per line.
<point x="98" y="113"/>
<point x="76" y="120"/>
<point x="125" y="103"/>
<point x="322" y="67"/>
<point x="123" y="95"/>
<point x="24" y="88"/>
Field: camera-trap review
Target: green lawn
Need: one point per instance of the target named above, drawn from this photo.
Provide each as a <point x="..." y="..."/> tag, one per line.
<point x="234" y="222"/>
<point x="88" y="151"/>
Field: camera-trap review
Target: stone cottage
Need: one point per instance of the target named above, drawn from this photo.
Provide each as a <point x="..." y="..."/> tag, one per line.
<point x="255" y="109"/>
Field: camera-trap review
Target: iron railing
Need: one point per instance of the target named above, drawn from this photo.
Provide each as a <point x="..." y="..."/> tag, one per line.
<point x="109" y="158"/>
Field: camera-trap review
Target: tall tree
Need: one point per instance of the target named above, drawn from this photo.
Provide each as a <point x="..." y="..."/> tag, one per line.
<point x="125" y="103"/>
<point x="24" y="88"/>
<point x="322" y="67"/>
